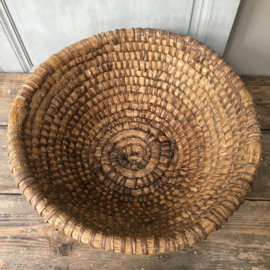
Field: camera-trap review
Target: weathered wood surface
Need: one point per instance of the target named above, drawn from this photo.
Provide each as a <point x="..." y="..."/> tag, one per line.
<point x="261" y="186"/>
<point x="10" y="84"/>
<point x="259" y="87"/>
<point x="7" y="184"/>
<point x="27" y="243"/>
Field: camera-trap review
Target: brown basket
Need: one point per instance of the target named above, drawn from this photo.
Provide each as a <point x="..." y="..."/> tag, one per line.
<point x="135" y="141"/>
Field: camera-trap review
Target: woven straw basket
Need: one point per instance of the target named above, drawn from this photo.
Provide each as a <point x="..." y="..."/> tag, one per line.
<point x="136" y="140"/>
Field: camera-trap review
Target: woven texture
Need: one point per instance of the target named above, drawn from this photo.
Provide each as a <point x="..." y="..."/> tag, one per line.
<point x="135" y="140"/>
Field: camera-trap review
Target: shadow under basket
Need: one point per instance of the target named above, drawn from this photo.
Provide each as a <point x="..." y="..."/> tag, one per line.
<point x="137" y="141"/>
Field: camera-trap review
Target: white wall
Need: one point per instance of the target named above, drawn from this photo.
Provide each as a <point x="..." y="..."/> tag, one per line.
<point x="36" y="29"/>
<point x="248" y="47"/>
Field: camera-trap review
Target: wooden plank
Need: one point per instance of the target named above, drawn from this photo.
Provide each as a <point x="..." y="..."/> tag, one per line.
<point x="261" y="186"/>
<point x="7" y="184"/>
<point x="259" y="87"/>
<point x="260" y="190"/>
<point x="28" y="243"/>
<point x="12" y="81"/>
<point x="256" y="80"/>
<point x="10" y="84"/>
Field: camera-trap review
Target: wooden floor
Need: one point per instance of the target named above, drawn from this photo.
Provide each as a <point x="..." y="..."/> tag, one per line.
<point x="26" y="242"/>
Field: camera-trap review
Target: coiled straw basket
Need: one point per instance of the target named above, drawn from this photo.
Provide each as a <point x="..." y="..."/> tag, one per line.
<point x="136" y="140"/>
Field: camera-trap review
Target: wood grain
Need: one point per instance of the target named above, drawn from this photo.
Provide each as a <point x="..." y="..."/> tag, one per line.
<point x="256" y="80"/>
<point x="7" y="184"/>
<point x="258" y="86"/>
<point x="10" y="84"/>
<point x="28" y="243"/>
<point x="261" y="186"/>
